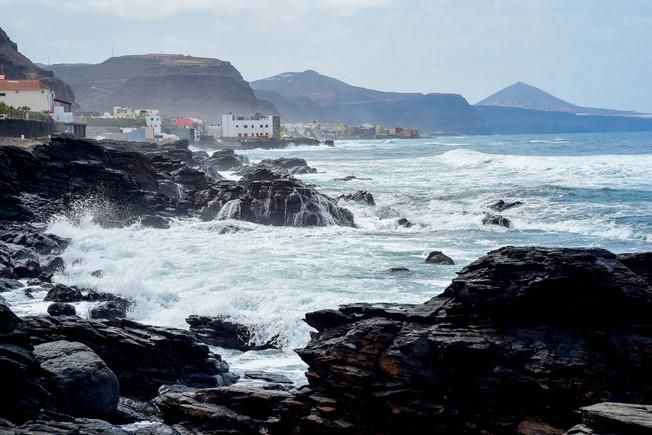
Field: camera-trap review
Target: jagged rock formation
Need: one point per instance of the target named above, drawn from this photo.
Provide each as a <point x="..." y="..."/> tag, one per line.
<point x="121" y="184"/>
<point x="177" y="85"/>
<point x="520" y="339"/>
<point x="360" y="196"/>
<point x="16" y="66"/>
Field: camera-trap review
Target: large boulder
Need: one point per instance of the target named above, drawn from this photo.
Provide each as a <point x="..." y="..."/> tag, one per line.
<point x="81" y="384"/>
<point x="225" y="160"/>
<point x="520" y="340"/>
<point x="266" y="197"/>
<point x="438" y="257"/>
<point x="116" y="309"/>
<point x="61" y="309"/>
<point x="22" y="395"/>
<point x="142" y="357"/>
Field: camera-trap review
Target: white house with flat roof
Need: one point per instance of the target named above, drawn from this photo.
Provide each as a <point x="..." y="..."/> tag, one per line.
<point x="26" y="93"/>
<point x="258" y="127"/>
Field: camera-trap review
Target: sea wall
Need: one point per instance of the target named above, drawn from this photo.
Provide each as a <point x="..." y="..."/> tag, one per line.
<point x="30" y="129"/>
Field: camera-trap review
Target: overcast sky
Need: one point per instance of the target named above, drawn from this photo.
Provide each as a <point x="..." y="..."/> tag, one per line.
<point x="590" y="52"/>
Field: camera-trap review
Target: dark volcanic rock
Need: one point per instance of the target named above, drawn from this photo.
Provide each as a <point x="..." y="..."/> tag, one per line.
<point x="61" y="309"/>
<point x="501" y="205"/>
<point x="222" y="332"/>
<point x="639" y="263"/>
<point x="359" y="196"/>
<point x="438" y="257"/>
<point x="520" y="339"/>
<point x="142" y="357"/>
<point x="80" y="382"/>
<point x="116" y="309"/>
<point x="404" y="223"/>
<point x="22" y="394"/>
<point x="268" y="198"/>
<point x="225" y="160"/>
<point x="492" y="219"/>
<point x="122" y="183"/>
<point x="268" y="377"/>
<point x="81" y="426"/>
<point x="63" y="293"/>
<point x="227" y="409"/>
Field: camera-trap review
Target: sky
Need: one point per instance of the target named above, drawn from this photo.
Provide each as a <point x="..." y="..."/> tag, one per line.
<point x="589" y="52"/>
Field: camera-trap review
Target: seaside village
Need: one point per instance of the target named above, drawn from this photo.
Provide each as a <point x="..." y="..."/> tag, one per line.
<point x="28" y="109"/>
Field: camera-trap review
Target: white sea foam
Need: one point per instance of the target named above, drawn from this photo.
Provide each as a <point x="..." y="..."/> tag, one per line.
<point x="268" y="277"/>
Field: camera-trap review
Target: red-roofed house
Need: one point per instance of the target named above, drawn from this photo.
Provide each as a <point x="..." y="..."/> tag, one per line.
<point x="184" y="123"/>
<point x="26" y="93"/>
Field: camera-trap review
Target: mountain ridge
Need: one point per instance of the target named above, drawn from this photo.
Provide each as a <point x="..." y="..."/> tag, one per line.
<point x="333" y="100"/>
<point x="173" y="83"/>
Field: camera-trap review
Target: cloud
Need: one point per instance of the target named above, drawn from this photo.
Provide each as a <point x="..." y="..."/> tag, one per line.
<point x="152" y="9"/>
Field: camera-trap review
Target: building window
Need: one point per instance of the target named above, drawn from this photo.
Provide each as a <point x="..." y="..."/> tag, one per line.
<point x="239" y="134"/>
<point x="245" y="126"/>
<point x="236" y="126"/>
<point x="245" y="134"/>
<point x="261" y="125"/>
<point x="266" y="126"/>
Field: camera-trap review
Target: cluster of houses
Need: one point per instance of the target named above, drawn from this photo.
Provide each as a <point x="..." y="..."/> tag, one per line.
<point x="333" y="131"/>
<point x="25" y="98"/>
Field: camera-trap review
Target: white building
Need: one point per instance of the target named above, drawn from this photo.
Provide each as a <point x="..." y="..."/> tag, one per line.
<point x="261" y="127"/>
<point x="26" y="93"/>
<point x="123" y="113"/>
<point x="153" y="120"/>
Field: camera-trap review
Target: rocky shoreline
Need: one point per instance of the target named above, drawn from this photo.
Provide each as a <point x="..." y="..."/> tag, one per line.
<point x="525" y="340"/>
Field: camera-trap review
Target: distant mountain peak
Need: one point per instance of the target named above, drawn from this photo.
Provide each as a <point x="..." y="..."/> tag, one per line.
<point x="522" y="95"/>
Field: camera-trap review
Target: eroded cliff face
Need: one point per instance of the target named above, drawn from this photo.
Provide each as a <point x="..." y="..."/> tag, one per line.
<point x="16" y="66"/>
<point x="175" y="84"/>
<point x="519" y="341"/>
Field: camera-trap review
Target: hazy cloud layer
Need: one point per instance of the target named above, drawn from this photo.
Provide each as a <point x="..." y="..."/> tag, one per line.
<point x="591" y="52"/>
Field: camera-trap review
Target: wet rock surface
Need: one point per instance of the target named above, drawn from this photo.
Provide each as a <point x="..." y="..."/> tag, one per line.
<point x="522" y="335"/>
<point x="142" y="357"/>
<point x="154" y="182"/>
<point x="61" y="309"/>
<point x="438" y="257"/>
<point x="498" y="220"/>
<point x="360" y="196"/>
<point x="502" y="205"/>
<point x="232" y="409"/>
<point x="22" y="394"/>
<point x="223" y="332"/>
<point x="80" y="382"/>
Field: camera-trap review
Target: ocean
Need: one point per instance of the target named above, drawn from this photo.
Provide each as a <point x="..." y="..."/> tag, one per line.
<point x="577" y="189"/>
